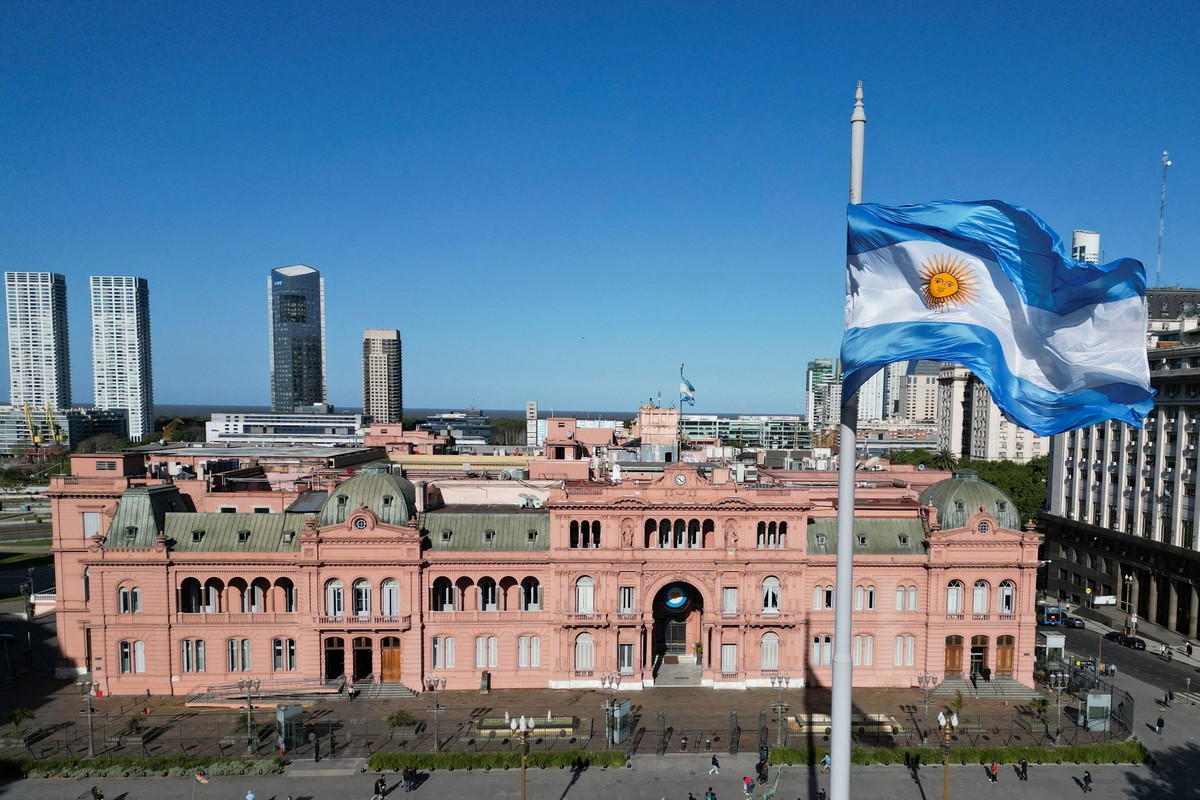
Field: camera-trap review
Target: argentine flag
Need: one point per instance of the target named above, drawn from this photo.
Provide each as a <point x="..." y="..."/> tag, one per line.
<point x="1060" y="343"/>
<point x="687" y="392"/>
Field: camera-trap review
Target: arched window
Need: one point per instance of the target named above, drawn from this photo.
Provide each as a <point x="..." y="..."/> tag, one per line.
<point x="781" y="542"/>
<point x="822" y="651"/>
<point x="194" y="659"/>
<point x="585" y="596"/>
<point x="761" y="539"/>
<point x="768" y="653"/>
<point x="258" y="595"/>
<point x="213" y="588"/>
<point x="444" y="597"/>
<point x="389" y="598"/>
<point x="529" y="651"/>
<point x="664" y="533"/>
<point x="1007" y="598"/>
<point x="954" y="597"/>
<point x="870" y="598"/>
<point x="906" y="649"/>
<point x="595" y="533"/>
<point x="362" y="598"/>
<point x="487" y="595"/>
<point x="822" y="598"/>
<point x="283" y="655"/>
<point x="694" y="540"/>
<point x="130" y="598"/>
<point x="979" y="598"/>
<point x="486" y="651"/>
<point x="531" y="595"/>
<point x="859" y="598"/>
<point x="585" y="653"/>
<point x="132" y="657"/>
<point x="335" y="599"/>
<point x="287" y="592"/>
<point x="912" y="598"/>
<point x="770" y="595"/>
<point x="189" y="596"/>
<point x="900" y="598"/>
<point x="864" y="650"/>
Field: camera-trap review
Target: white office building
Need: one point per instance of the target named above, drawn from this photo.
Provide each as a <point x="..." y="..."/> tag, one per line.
<point x="970" y="424"/>
<point x="39" y="366"/>
<point x="121" y="368"/>
<point x="322" y="427"/>
<point x="1085" y="246"/>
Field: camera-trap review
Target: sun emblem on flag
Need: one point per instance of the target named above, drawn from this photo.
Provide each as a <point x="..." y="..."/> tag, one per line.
<point x="947" y="280"/>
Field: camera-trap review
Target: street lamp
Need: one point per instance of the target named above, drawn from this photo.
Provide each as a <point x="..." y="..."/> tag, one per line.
<point x="435" y="685"/>
<point x="85" y="689"/>
<point x="780" y="682"/>
<point x="927" y="682"/>
<point x="611" y="683"/>
<point x="249" y="686"/>
<point x="1058" y="682"/>
<point x="1130" y="625"/>
<point x="945" y="725"/>
<point x="521" y="731"/>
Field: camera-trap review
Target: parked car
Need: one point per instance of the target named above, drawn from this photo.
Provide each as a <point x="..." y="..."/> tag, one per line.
<point x="1134" y="642"/>
<point x="1114" y="636"/>
<point x="1073" y="622"/>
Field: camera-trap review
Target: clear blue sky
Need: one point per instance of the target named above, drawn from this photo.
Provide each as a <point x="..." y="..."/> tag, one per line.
<point x="559" y="201"/>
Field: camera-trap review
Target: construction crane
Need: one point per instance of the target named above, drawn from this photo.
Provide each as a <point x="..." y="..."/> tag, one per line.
<point x="168" y="432"/>
<point x="35" y="436"/>
<point x="52" y="429"/>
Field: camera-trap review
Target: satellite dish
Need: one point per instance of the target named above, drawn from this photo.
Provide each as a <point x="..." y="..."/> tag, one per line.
<point x="872" y="462"/>
<point x="570" y="434"/>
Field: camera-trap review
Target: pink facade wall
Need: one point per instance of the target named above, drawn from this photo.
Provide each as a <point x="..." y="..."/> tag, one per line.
<point x="624" y="520"/>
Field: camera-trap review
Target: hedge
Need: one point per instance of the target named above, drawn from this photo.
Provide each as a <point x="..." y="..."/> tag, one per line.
<point x="175" y="766"/>
<point x="575" y="759"/>
<point x="1127" y="752"/>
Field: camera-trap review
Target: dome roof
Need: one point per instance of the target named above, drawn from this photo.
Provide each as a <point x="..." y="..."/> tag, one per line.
<point x="961" y="496"/>
<point x="390" y="498"/>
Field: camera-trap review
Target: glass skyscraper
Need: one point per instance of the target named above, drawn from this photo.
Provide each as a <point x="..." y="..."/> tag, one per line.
<point x="296" y="299"/>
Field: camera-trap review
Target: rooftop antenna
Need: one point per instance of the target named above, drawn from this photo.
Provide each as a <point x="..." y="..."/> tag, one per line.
<point x="1162" y="210"/>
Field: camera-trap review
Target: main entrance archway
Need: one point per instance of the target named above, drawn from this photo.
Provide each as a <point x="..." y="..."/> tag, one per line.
<point x="677" y="610"/>
<point x="335" y="657"/>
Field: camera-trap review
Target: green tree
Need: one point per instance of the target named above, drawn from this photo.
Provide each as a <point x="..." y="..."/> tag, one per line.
<point x="19" y="716"/>
<point x="102" y="443"/>
<point x="1024" y="483"/>
<point x="910" y="457"/>
<point x="943" y="459"/>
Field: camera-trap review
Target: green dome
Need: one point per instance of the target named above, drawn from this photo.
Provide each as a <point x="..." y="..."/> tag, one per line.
<point x="391" y="498"/>
<point x="961" y="496"/>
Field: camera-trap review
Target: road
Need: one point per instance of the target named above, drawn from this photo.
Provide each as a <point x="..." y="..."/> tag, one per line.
<point x="1143" y="665"/>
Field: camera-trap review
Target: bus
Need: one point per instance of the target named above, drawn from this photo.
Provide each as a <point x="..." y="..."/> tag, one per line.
<point x="1052" y="615"/>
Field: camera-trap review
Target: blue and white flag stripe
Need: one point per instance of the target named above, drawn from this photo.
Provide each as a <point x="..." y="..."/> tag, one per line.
<point x="687" y="392"/>
<point x="1060" y="344"/>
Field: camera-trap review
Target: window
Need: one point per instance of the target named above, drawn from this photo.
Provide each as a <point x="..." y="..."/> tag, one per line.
<point x="1007" y="597"/>
<point x="979" y="597"/>
<point x="899" y="598"/>
<point x="729" y="658"/>
<point x="906" y="649"/>
<point x="768" y="653"/>
<point x="442" y="652"/>
<point x="243" y="536"/>
<point x="444" y="595"/>
<point x="238" y="655"/>
<point x="822" y="598"/>
<point x="625" y="658"/>
<point x="531" y="595"/>
<point x="729" y="600"/>
<point x="362" y="598"/>
<point x="585" y="596"/>
<point x="585" y="653"/>
<point x="822" y="651"/>
<point x="912" y="598"/>
<point x="770" y="595"/>
<point x="529" y="651"/>
<point x="487" y="595"/>
<point x="626" y="600"/>
<point x="130" y="600"/>
<point x="487" y="651"/>
<point x="283" y="655"/>
<point x="954" y="598"/>
<point x="389" y="598"/>
<point x="335" y="599"/>
<point x="864" y="598"/>
<point x="106" y="466"/>
<point x="91" y="524"/>
<point x="193" y="655"/>
<point x="864" y="650"/>
<point x="132" y="657"/>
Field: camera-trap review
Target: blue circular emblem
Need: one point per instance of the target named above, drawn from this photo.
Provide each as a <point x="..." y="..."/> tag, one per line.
<point x="676" y="596"/>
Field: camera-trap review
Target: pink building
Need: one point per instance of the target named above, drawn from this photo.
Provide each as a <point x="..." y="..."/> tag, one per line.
<point x="178" y="586"/>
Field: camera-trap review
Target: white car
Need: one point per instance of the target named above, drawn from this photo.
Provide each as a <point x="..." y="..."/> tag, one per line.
<point x="1073" y="622"/>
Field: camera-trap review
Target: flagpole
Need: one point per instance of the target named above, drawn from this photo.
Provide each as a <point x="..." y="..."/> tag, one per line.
<point x="839" y="743"/>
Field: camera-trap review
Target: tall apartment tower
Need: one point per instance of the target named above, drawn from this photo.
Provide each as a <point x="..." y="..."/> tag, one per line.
<point x="296" y="304"/>
<point x="121" y="349"/>
<point x="383" y="378"/>
<point x="1085" y="246"/>
<point x="822" y="392"/>
<point x="39" y="365"/>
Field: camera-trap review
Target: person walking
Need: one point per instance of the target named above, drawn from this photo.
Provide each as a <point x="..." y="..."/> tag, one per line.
<point x="97" y="794"/>
<point x="994" y="771"/>
<point x="826" y="762"/>
<point x="715" y="769"/>
<point x="691" y="796"/>
<point x="987" y="674"/>
<point x="748" y="786"/>
<point x="249" y="795"/>
<point x="1023" y="770"/>
<point x="1159" y="726"/>
<point x="380" y="786"/>
<point x="710" y="794"/>
<point x="974" y="681"/>
<point x="1087" y="781"/>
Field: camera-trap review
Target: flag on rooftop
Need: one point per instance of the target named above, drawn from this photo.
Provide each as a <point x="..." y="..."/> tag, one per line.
<point x="687" y="392"/>
<point x="1060" y="343"/>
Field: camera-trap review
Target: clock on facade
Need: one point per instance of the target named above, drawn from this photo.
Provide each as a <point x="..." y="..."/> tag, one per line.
<point x="680" y="479"/>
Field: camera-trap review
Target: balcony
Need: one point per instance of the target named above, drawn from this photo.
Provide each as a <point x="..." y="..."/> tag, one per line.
<point x="491" y="616"/>
<point x="1007" y="617"/>
<point x="360" y="623"/>
<point x="981" y="617"/>
<point x="954" y="617"/>
<point x="237" y="618"/>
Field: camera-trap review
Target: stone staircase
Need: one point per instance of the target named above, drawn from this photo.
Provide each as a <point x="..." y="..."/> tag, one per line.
<point x="686" y="672"/>
<point x="1000" y="688"/>
<point x="388" y="691"/>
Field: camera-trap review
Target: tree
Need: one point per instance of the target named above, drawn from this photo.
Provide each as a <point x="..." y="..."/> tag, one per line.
<point x="19" y="716"/>
<point x="943" y="459"/>
<point x="102" y="443"/>
<point x="910" y="457"/>
<point x="1025" y="484"/>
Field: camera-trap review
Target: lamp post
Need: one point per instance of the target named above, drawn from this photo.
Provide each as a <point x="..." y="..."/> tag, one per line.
<point x="436" y="685"/>
<point x="85" y="689"/>
<point x="611" y="683"/>
<point x="780" y="682"/>
<point x="521" y="731"/>
<point x="944" y="725"/>
<point x="1058" y="682"/>
<point x="1130" y="626"/>
<point x="249" y="686"/>
<point x="927" y="682"/>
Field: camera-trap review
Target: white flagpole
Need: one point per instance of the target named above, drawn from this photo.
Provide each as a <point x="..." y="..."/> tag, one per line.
<point x="839" y="744"/>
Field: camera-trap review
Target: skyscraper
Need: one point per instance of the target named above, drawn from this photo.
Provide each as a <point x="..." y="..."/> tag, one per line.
<point x="383" y="375"/>
<point x="296" y="303"/>
<point x="39" y="366"/>
<point x="822" y="399"/>
<point x="1085" y="246"/>
<point x="121" y="349"/>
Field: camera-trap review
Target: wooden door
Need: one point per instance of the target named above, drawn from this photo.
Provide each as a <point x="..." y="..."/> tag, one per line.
<point x="1004" y="655"/>
<point x="389" y="654"/>
<point x="954" y="654"/>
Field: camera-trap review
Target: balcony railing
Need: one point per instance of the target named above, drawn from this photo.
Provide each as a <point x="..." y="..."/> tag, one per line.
<point x="237" y="618"/>
<point x="488" y="616"/>
<point x="954" y="617"/>
<point x="981" y="617"/>
<point x="402" y="623"/>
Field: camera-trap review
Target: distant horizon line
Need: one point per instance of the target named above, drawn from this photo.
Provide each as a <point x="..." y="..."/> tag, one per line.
<point x="200" y="409"/>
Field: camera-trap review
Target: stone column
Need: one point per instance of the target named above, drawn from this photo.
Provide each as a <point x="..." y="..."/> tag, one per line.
<point x="1172" y="604"/>
<point x="1193" y="611"/>
<point x="1152" y="600"/>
